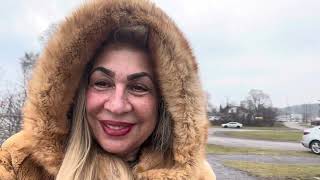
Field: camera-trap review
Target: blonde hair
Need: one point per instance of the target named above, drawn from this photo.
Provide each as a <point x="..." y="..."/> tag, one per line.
<point x="83" y="156"/>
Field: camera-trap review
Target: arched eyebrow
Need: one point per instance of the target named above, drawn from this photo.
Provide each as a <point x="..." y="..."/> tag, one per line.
<point x="130" y="77"/>
<point x="139" y="75"/>
<point x="104" y="70"/>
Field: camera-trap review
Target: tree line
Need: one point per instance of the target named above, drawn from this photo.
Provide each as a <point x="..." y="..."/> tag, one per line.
<point x="255" y="110"/>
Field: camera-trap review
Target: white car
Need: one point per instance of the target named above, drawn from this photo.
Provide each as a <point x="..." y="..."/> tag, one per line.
<point x="214" y="118"/>
<point x="232" y="125"/>
<point x="311" y="139"/>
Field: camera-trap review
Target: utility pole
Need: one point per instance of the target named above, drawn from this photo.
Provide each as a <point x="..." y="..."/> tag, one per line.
<point x="227" y="101"/>
<point x="288" y="111"/>
<point x="308" y="112"/>
<point x="305" y="113"/>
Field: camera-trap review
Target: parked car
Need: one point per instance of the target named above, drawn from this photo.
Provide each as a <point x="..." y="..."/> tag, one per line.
<point x="311" y="139"/>
<point x="232" y="125"/>
<point x="214" y="118"/>
<point x="315" y="123"/>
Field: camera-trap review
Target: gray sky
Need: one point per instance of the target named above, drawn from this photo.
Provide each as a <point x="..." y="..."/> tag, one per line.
<point x="272" y="45"/>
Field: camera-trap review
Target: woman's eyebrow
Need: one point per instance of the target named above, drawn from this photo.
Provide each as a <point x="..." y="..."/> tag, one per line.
<point x="139" y="75"/>
<point x="103" y="70"/>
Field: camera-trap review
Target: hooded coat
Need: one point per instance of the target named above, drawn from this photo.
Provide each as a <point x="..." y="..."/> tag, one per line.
<point x="37" y="151"/>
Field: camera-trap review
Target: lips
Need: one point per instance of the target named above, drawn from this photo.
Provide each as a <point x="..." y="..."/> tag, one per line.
<point x="116" y="128"/>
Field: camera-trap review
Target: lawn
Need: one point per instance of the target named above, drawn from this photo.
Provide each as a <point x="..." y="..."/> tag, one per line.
<point x="276" y="171"/>
<point x="277" y="126"/>
<point x="271" y="135"/>
<point x="217" y="149"/>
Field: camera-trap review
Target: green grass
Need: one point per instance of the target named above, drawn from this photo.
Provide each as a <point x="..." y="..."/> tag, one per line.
<point x="276" y="126"/>
<point x="272" y="135"/>
<point x="259" y="128"/>
<point x="217" y="149"/>
<point x="268" y="128"/>
<point x="276" y="171"/>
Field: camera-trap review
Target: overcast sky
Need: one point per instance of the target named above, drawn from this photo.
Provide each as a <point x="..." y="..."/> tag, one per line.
<point x="271" y="45"/>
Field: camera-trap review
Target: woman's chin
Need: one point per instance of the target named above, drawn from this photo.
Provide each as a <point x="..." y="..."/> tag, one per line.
<point x="117" y="148"/>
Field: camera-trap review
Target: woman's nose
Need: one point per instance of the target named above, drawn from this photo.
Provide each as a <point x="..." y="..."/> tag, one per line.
<point x="118" y="102"/>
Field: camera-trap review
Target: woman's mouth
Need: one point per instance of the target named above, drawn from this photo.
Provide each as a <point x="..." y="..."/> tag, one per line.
<point x="116" y="128"/>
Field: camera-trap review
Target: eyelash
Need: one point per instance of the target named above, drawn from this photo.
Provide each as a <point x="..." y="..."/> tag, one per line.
<point x="103" y="83"/>
<point x="139" y="88"/>
<point x="135" y="88"/>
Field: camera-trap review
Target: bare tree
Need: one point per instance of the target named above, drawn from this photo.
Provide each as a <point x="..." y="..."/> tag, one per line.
<point x="211" y="110"/>
<point x="257" y="99"/>
<point x="10" y="114"/>
<point x="12" y="101"/>
<point x="47" y="34"/>
<point x="259" y="106"/>
<point x="27" y="62"/>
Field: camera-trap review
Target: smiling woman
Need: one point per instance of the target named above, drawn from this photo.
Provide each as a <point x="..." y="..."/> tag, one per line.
<point x="121" y="100"/>
<point x="115" y="95"/>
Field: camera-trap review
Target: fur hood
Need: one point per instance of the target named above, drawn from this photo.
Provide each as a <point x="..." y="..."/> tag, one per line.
<point x="58" y="71"/>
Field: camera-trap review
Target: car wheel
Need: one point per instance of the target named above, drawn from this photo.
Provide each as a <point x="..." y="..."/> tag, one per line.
<point x="238" y="126"/>
<point x="315" y="147"/>
<point x="225" y="126"/>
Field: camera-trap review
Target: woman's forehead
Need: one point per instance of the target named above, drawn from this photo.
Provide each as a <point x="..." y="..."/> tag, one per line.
<point x="124" y="61"/>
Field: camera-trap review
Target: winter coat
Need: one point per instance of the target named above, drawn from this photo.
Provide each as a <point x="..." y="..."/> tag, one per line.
<point x="36" y="152"/>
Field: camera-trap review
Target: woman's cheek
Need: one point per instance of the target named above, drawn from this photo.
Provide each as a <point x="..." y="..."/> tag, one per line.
<point x="93" y="100"/>
<point x="147" y="106"/>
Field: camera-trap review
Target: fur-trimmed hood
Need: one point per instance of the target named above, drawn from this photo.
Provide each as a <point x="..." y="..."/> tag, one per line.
<point x="58" y="71"/>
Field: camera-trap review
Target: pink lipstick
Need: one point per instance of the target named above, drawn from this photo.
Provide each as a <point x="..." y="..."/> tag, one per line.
<point x="116" y="128"/>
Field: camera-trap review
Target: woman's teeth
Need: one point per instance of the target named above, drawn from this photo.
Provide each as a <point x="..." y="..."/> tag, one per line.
<point x="115" y="127"/>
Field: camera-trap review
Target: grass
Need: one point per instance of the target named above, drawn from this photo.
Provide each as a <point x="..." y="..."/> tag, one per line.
<point x="217" y="149"/>
<point x="260" y="128"/>
<point x="276" y="126"/>
<point x="272" y="135"/>
<point x="268" y="128"/>
<point x="276" y="171"/>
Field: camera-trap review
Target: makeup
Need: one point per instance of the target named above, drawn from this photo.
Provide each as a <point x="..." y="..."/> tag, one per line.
<point x="116" y="128"/>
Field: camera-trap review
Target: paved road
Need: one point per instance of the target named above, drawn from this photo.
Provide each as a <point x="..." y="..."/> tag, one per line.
<point x="294" y="125"/>
<point x="234" y="142"/>
<point x="314" y="160"/>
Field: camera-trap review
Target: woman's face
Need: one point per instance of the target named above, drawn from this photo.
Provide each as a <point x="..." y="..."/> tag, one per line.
<point x="121" y="100"/>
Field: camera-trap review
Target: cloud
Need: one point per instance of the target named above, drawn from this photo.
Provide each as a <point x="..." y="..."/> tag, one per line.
<point x="240" y="44"/>
<point x="28" y="20"/>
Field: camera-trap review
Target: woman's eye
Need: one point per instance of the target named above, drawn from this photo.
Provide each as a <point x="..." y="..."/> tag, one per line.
<point x="102" y="85"/>
<point x="138" y="88"/>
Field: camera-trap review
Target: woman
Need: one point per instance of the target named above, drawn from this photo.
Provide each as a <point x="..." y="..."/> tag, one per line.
<point x="114" y="95"/>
